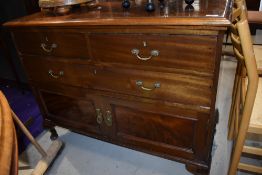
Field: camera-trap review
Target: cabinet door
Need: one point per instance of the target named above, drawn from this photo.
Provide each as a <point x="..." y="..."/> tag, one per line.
<point x="160" y="130"/>
<point x="74" y="113"/>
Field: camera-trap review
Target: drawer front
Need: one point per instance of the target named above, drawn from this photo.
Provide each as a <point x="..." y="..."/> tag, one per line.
<point x="172" y="87"/>
<point x="51" y="43"/>
<point x="51" y="70"/>
<point x="72" y="112"/>
<point x="172" y="51"/>
<point x="159" y="129"/>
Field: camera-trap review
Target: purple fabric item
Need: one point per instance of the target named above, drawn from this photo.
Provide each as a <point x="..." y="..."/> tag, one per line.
<point x="25" y="106"/>
<point x="12" y="93"/>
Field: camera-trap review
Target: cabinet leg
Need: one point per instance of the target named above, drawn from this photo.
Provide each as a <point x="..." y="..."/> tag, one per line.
<point x="54" y="134"/>
<point x="196" y="170"/>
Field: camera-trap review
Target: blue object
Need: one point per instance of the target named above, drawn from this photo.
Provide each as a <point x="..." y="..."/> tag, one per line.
<point x="25" y="106"/>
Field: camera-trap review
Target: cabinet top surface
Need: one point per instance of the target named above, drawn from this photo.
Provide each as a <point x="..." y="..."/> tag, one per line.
<point x="175" y="12"/>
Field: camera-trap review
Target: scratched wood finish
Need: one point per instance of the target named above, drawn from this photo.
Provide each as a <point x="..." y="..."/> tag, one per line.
<point x="174" y="120"/>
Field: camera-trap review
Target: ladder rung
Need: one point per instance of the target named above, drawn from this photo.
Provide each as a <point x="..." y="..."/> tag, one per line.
<point x="252" y="150"/>
<point x="256" y="129"/>
<point x="250" y="168"/>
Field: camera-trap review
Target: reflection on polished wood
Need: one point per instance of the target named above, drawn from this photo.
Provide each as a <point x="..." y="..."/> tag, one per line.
<point x="206" y="12"/>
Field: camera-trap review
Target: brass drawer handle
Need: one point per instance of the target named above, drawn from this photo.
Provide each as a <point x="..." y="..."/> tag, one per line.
<point x="108" y="118"/>
<point x="47" y="48"/>
<point x="153" y="53"/>
<point x="99" y="116"/>
<point x="139" y="83"/>
<point x="53" y="75"/>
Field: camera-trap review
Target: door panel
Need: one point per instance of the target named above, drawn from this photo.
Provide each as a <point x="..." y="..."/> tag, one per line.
<point x="73" y="112"/>
<point x="158" y="129"/>
<point x="154" y="127"/>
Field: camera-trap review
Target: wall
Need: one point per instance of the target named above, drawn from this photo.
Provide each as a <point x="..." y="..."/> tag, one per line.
<point x="10" y="9"/>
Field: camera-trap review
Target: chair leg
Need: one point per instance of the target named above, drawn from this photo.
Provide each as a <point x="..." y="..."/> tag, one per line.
<point x="235" y="112"/>
<point x="243" y="90"/>
<point x="237" y="151"/>
<point x="234" y="94"/>
<point x="232" y="114"/>
<point x="236" y="155"/>
<point x="231" y="129"/>
<point x="236" y="125"/>
<point x="54" y="134"/>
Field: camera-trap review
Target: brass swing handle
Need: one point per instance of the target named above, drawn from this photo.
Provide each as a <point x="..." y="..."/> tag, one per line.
<point x="53" y="75"/>
<point x="139" y="83"/>
<point x="49" y="48"/>
<point x="107" y="117"/>
<point x="99" y="116"/>
<point x="153" y="53"/>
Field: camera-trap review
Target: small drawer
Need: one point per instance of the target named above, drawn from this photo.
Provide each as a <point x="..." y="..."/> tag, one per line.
<point x="51" y="43"/>
<point x="189" y="52"/>
<point x="51" y="70"/>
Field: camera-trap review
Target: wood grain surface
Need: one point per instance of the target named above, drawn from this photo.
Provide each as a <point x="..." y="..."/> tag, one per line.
<point x="206" y="12"/>
<point x="163" y="106"/>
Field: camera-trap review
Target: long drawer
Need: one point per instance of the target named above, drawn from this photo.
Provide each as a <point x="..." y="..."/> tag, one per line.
<point x="188" y="52"/>
<point x="172" y="87"/>
<point x="51" y="43"/>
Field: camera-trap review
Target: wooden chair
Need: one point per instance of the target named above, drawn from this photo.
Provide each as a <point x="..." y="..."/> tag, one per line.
<point x="239" y="12"/>
<point x="245" y="89"/>
<point x="255" y="127"/>
<point x="8" y="140"/>
<point x="254" y="18"/>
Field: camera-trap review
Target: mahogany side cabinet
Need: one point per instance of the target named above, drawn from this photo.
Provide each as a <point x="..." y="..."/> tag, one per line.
<point x="143" y="80"/>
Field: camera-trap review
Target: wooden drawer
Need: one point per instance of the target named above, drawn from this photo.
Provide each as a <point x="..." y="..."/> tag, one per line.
<point x="52" y="70"/>
<point x="51" y="43"/>
<point x="189" y="52"/>
<point x="172" y="87"/>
